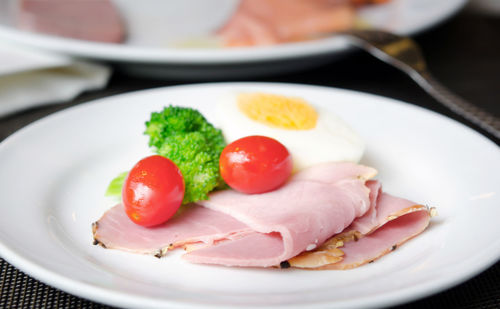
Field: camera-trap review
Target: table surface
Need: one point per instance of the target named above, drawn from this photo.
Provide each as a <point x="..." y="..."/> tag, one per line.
<point x="463" y="53"/>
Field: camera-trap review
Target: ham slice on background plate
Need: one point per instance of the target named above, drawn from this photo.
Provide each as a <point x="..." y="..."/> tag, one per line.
<point x="268" y="22"/>
<point x="92" y="20"/>
<point x="313" y="221"/>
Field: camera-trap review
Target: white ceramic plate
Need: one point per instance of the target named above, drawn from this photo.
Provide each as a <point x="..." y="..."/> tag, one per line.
<point x="152" y="27"/>
<point x="55" y="172"/>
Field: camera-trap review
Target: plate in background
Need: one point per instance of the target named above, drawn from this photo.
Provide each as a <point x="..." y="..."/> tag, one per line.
<point x="148" y="53"/>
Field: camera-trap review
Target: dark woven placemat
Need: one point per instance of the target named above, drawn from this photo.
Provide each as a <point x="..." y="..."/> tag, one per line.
<point x="17" y="290"/>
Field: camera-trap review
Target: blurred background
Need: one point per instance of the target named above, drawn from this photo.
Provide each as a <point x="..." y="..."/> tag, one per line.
<point x="56" y="54"/>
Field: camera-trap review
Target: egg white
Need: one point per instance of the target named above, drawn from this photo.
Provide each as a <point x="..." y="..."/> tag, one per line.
<point x="331" y="140"/>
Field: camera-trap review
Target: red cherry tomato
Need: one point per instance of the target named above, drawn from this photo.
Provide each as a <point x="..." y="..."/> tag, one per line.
<point x="153" y="191"/>
<point x="255" y="164"/>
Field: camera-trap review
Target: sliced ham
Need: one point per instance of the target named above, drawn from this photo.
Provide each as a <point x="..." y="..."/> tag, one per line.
<point x="93" y="20"/>
<point x="266" y="22"/>
<point x="312" y="206"/>
<point x="330" y="216"/>
<point x="409" y="223"/>
<point x="195" y="224"/>
<point x="390" y="222"/>
<point x="384" y="208"/>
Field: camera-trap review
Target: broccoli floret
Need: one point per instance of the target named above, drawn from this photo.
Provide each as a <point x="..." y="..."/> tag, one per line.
<point x="184" y="136"/>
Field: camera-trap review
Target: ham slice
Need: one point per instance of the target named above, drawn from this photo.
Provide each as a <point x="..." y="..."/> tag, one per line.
<point x="315" y="204"/>
<point x="329" y="216"/>
<point x="410" y="222"/>
<point x="194" y="224"/>
<point x="266" y="22"/>
<point x="388" y="223"/>
<point x="93" y="20"/>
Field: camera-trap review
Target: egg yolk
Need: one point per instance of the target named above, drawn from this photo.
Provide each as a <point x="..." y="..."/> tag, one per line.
<point x="278" y="111"/>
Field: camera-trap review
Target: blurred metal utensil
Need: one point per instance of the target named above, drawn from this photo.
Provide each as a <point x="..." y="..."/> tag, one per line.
<point x="404" y="54"/>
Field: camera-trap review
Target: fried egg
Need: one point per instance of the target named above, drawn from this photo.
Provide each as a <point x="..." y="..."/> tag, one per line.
<point x="312" y="135"/>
